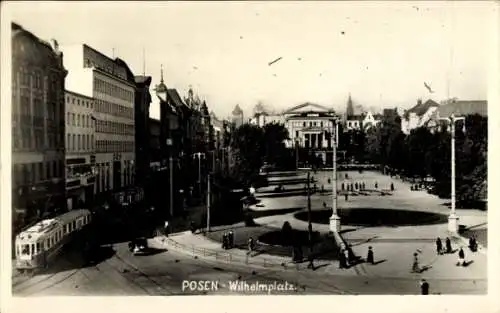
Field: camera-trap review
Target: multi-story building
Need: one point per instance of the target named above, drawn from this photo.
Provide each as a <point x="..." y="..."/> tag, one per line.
<point x="38" y="77"/>
<point x="262" y="118"/>
<point x="112" y="86"/>
<point x="142" y="105"/>
<point x="356" y="118"/>
<point x="80" y="150"/>
<point x="310" y="126"/>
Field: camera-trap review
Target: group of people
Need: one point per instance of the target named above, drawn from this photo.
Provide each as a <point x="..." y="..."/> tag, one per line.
<point x="347" y="257"/>
<point x="448" y="249"/>
<point x="228" y="240"/>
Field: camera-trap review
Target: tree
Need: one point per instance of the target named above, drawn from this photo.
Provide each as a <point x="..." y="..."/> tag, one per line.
<point x="246" y="144"/>
<point x="275" y="135"/>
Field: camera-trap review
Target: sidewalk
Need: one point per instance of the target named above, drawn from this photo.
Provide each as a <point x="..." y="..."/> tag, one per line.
<point x="396" y="256"/>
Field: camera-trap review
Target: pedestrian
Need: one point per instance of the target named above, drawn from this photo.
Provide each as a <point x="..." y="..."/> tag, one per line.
<point x="376" y="185"/>
<point x="346" y="196"/>
<point x="231" y="239"/>
<point x="250" y="244"/>
<point x="346" y="176"/>
<point x="448" y="245"/>
<point x="166" y="228"/>
<point x="324" y="205"/>
<point x="346" y="258"/>
<point x="311" y="261"/>
<point x="191" y="226"/>
<point x="415" y="266"/>
<point x="461" y="257"/>
<point x="472" y="244"/>
<point x="224" y="241"/>
<point x="392" y="186"/>
<point x="356" y="185"/>
<point x="343" y="187"/>
<point x="342" y="261"/>
<point x="439" y="246"/>
<point x="352" y="187"/>
<point x="424" y="287"/>
<point x="369" y="257"/>
<point x="322" y="188"/>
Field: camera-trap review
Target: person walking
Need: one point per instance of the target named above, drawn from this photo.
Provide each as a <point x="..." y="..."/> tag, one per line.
<point x="392" y="186"/>
<point x="369" y="257"/>
<point x="415" y="266"/>
<point x="424" y="287"/>
<point x="376" y="185"/>
<point x="448" y="245"/>
<point x="342" y="261"/>
<point x="346" y="258"/>
<point x="231" y="239"/>
<point x="439" y="246"/>
<point x="461" y="257"/>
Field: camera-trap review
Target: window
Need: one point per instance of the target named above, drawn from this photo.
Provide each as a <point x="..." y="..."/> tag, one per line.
<point x="78" y="120"/>
<point x="41" y="171"/>
<point x="73" y="118"/>
<point x="74" y="142"/>
<point x="68" y="118"/>
<point x="79" y="142"/>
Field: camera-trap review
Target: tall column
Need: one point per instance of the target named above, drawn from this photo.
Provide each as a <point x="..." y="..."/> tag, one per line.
<point x="334" y="219"/>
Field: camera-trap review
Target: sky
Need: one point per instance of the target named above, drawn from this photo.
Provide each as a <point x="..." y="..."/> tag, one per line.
<point x="379" y="52"/>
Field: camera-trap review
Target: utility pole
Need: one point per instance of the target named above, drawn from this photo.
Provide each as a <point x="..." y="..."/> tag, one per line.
<point x="208" y="203"/>
<point x="309" y="209"/>
<point x="296" y="154"/>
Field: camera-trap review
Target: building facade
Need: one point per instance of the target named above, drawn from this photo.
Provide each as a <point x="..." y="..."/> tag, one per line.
<point x="142" y="105"/>
<point x="80" y="150"/>
<point x="111" y="85"/>
<point x="310" y="126"/>
<point x="38" y="79"/>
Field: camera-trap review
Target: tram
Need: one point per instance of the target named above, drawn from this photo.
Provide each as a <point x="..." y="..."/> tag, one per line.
<point x="40" y="244"/>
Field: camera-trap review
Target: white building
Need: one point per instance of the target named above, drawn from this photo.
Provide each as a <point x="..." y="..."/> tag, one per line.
<point x="80" y="149"/>
<point x="418" y="116"/>
<point x="261" y="119"/>
<point x="111" y="84"/>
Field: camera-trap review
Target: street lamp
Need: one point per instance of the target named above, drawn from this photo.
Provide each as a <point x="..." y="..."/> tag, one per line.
<point x="335" y="218"/>
<point x="453" y="218"/>
<point x="162" y="93"/>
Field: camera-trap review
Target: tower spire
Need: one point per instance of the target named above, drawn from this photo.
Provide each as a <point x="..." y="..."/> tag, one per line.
<point x="161" y="69"/>
<point x="143" y="61"/>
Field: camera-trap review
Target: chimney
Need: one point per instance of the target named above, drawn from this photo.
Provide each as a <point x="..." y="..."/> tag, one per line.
<point x="55" y="45"/>
<point x="419" y="101"/>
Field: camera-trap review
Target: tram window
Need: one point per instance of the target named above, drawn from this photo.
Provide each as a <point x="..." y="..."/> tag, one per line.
<point x="32" y="249"/>
<point x="38" y="247"/>
<point x="47" y="244"/>
<point x="25" y="250"/>
<point x="74" y="224"/>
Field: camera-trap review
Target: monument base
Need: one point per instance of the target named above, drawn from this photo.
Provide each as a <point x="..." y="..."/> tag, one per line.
<point x="453" y="223"/>
<point x="335" y="223"/>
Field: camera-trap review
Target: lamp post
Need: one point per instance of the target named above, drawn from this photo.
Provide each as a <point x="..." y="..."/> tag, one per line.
<point x="162" y="93"/>
<point x="453" y="217"/>
<point x="296" y="154"/>
<point x="335" y="218"/>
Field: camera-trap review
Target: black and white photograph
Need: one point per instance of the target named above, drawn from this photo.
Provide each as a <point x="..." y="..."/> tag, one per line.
<point x="247" y="148"/>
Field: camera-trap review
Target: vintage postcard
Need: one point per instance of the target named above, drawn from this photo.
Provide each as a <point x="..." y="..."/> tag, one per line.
<point x="248" y="148"/>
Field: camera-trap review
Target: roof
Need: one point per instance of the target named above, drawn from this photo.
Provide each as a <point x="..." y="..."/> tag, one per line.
<point x="39" y="51"/>
<point x="464" y="107"/>
<point x="46" y="226"/>
<point x="176" y="98"/>
<point x="303" y="105"/>
<point x="142" y="79"/>
<point x="422" y="107"/>
<point x="130" y="75"/>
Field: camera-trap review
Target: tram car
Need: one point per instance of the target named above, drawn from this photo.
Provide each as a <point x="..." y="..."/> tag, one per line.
<point x="40" y="244"/>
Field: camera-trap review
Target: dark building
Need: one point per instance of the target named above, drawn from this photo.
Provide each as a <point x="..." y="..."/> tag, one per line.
<point x="142" y="148"/>
<point x="38" y="127"/>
